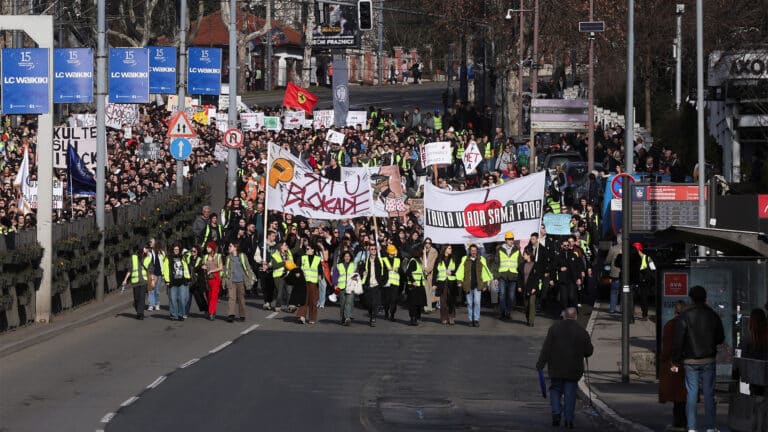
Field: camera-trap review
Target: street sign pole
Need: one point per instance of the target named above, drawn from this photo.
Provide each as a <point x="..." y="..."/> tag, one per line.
<point x="101" y="138"/>
<point x="700" y="116"/>
<point x="232" y="154"/>
<point x="591" y="124"/>
<point x="182" y="85"/>
<point x="629" y="169"/>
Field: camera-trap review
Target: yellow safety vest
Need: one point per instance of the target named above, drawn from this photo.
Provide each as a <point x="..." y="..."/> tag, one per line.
<point x="554" y="205"/>
<point x="418" y="275"/>
<point x="644" y="263"/>
<point x="488" y="151"/>
<point x="279" y="258"/>
<point x="442" y="271"/>
<point x="310" y="268"/>
<point x="344" y="274"/>
<point x="138" y="272"/>
<point x="165" y="268"/>
<point x="459" y="150"/>
<point x="438" y="122"/>
<point x="508" y="263"/>
<point x="394" y="270"/>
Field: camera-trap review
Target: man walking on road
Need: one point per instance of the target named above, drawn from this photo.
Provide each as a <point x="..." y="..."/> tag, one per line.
<point x="698" y="333"/>
<point x="473" y="274"/>
<point x="565" y="348"/>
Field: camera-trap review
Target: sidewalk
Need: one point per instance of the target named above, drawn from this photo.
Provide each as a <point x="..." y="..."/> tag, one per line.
<point x="632" y="406"/>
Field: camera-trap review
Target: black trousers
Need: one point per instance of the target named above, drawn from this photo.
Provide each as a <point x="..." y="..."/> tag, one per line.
<point x="641" y="294"/>
<point x="198" y="293"/>
<point x="268" y="287"/>
<point x="139" y="297"/>
<point x="567" y="295"/>
<point x="679" y="418"/>
<point x="391" y="296"/>
<point x="373" y="301"/>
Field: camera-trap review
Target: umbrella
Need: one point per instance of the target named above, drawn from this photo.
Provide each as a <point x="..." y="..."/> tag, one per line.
<point x="542" y="384"/>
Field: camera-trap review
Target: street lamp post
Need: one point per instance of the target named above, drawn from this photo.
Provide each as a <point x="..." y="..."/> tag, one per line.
<point x="591" y="111"/>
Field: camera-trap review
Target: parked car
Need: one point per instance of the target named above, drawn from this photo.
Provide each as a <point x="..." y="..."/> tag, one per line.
<point x="552" y="160"/>
<point x="575" y="186"/>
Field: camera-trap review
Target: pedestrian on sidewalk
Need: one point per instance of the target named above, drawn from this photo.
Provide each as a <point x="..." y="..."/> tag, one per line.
<point x="672" y="384"/>
<point x="697" y="334"/>
<point x="564" y="350"/>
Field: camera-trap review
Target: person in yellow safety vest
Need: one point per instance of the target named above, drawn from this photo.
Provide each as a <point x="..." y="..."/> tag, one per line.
<point x="214" y="231"/>
<point x="198" y="287"/>
<point x="446" y="288"/>
<point x="554" y="205"/>
<point x="176" y="274"/>
<point x="277" y="263"/>
<point x="138" y="277"/>
<point x="473" y="275"/>
<point x="416" y="295"/>
<point x="239" y="277"/>
<point x="312" y="268"/>
<point x="392" y="288"/>
<point x="438" y="120"/>
<point x="647" y="279"/>
<point x="343" y="273"/>
<point x="507" y="274"/>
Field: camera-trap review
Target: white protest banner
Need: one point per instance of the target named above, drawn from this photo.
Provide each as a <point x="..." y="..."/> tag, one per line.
<point x="84" y="120"/>
<point x="222" y="122"/>
<point x="355" y="118"/>
<point x="388" y="189"/>
<point x="272" y="123"/>
<point x="293" y="188"/>
<point x="334" y="137"/>
<point x="294" y="119"/>
<point x="82" y="138"/>
<point x="30" y="194"/>
<point x="438" y="153"/>
<point x="149" y="149"/>
<point x="252" y="121"/>
<point x="484" y="215"/>
<point x="127" y="133"/>
<point x="307" y="124"/>
<point x="221" y="153"/>
<point x="58" y="194"/>
<point x="322" y="119"/>
<point x="471" y="157"/>
<point x="173" y="103"/>
<point x="119" y="116"/>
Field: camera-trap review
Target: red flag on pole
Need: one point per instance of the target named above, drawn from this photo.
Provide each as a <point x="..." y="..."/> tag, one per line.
<point x="299" y="98"/>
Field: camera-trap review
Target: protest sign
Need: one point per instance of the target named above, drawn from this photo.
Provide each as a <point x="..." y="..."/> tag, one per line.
<point x="118" y="116"/>
<point x="472" y="157"/>
<point x="82" y="138"/>
<point x="436" y="153"/>
<point x="294" y="119"/>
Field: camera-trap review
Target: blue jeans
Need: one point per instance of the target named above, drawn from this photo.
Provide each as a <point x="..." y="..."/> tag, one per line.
<point x="615" y="288"/>
<point x="153" y="297"/>
<point x="321" y="284"/>
<point x="559" y="388"/>
<point x="705" y="373"/>
<point x="473" y="304"/>
<point x="506" y="296"/>
<point x="346" y="302"/>
<point x="178" y="296"/>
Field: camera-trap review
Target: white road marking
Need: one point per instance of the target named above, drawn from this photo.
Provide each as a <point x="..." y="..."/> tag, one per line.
<point x="220" y="347"/>
<point x="272" y="315"/>
<point x="249" y="329"/>
<point x="107" y="417"/>
<point x="157" y="382"/>
<point x="189" y="363"/>
<point x="129" y="401"/>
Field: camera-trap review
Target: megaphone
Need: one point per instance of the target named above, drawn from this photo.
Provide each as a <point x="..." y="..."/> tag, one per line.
<point x="281" y="171"/>
<point x="333" y="298"/>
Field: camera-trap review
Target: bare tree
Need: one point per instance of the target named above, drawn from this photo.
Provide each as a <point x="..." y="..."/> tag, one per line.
<point x="243" y="39"/>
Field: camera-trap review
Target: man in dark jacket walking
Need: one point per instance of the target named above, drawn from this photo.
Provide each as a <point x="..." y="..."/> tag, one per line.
<point x="565" y="348"/>
<point x="698" y="332"/>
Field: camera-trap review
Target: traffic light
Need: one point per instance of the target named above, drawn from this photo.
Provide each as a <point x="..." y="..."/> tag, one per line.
<point x="365" y="14"/>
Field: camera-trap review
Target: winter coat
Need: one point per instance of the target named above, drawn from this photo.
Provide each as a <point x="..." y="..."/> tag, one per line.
<point x="564" y="350"/>
<point x="671" y="384"/>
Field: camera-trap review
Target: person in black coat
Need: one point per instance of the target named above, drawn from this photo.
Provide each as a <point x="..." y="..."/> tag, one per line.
<point x="295" y="278"/>
<point x="564" y="350"/>
<point x="569" y="271"/>
<point x="529" y="284"/>
<point x="416" y="296"/>
<point x="374" y="279"/>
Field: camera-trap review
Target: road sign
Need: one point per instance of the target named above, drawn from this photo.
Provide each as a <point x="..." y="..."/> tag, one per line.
<point x="591" y="26"/>
<point x="233" y="138"/>
<point x="181" y="148"/>
<point x="180" y="127"/>
<point x="617" y="182"/>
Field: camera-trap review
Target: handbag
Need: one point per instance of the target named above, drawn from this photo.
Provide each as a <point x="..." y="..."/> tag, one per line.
<point x="151" y="282"/>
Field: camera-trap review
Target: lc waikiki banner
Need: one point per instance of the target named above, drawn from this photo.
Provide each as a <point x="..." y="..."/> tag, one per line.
<point x="484" y="215"/>
<point x="73" y="75"/>
<point x="294" y="188"/>
<point x="129" y="75"/>
<point x="204" y="71"/>
<point x="162" y="70"/>
<point x="25" y="81"/>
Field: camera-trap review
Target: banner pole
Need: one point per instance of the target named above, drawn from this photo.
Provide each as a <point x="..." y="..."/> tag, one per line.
<point x="266" y="210"/>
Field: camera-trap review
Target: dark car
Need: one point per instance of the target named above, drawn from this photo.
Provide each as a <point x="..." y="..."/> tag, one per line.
<point x="575" y="185"/>
<point x="552" y="160"/>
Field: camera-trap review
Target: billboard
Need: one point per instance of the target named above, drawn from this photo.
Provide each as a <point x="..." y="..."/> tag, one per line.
<point x="560" y="115"/>
<point x="336" y="26"/>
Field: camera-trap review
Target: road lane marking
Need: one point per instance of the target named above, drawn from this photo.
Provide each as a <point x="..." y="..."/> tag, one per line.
<point x="157" y="382"/>
<point x="249" y="329"/>
<point x="272" y="315"/>
<point x="107" y="417"/>
<point x="220" y="347"/>
<point x="189" y="363"/>
<point x="129" y="401"/>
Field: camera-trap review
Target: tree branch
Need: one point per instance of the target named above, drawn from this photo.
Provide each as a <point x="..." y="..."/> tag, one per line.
<point x="122" y="36"/>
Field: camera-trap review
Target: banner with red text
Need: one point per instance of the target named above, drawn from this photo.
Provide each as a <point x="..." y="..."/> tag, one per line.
<point x="484" y="215"/>
<point x="388" y="189"/>
<point x="294" y="188"/>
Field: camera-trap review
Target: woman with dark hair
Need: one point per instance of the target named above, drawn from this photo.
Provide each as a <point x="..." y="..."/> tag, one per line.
<point x="212" y="265"/>
<point x="415" y="294"/>
<point x="197" y="284"/>
<point x="177" y="276"/>
<point x="447" y="289"/>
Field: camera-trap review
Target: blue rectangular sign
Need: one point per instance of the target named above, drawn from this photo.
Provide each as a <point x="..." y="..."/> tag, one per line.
<point x="25" y="81"/>
<point x="204" y="75"/>
<point x="162" y="70"/>
<point x="128" y="75"/>
<point x="73" y="75"/>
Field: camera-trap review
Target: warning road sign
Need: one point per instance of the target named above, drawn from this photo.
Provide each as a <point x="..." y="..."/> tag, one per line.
<point x="233" y="138"/>
<point x="179" y="126"/>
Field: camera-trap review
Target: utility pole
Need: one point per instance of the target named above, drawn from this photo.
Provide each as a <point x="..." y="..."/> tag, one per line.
<point x="679" y="11"/>
<point x="521" y="72"/>
<point x="268" y="59"/>
<point x="232" y="120"/>
<point x="182" y="85"/>
<point x="101" y="136"/>
<point x="591" y="111"/>
<point x="700" y="115"/>
<point x="626" y="309"/>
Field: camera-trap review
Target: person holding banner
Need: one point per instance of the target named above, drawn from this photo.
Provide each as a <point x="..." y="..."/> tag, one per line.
<point x="473" y="276"/>
<point x="446" y="287"/>
<point x="392" y="288"/>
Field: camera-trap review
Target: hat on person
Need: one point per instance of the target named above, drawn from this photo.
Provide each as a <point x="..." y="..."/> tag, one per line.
<point x="509" y="235"/>
<point x="392" y="250"/>
<point x="638" y="246"/>
<point x="211" y="244"/>
<point x="290" y="265"/>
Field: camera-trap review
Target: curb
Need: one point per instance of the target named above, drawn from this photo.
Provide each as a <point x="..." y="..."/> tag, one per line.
<point x="601" y="407"/>
<point x="50" y="333"/>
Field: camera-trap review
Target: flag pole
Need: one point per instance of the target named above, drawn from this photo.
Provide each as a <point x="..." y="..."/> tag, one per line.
<point x="266" y="209"/>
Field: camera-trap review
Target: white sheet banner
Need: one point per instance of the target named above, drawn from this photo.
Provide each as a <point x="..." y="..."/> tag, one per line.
<point x="355" y="118"/>
<point x="484" y="215"/>
<point x="294" y="119"/>
<point x="118" y="116"/>
<point x="322" y="119"/>
<point x="252" y="121"/>
<point x="471" y="157"/>
<point x="293" y="188"/>
<point x="83" y="139"/>
<point x="388" y="189"/>
<point x="437" y="153"/>
<point x="334" y="137"/>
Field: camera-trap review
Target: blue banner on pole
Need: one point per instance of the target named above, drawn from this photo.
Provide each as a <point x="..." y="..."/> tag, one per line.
<point x="25" y="81"/>
<point x="73" y="75"/>
<point x="128" y="75"/>
<point x="162" y="70"/>
<point x="204" y="74"/>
